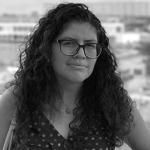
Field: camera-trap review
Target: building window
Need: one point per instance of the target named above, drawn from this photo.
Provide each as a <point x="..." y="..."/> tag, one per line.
<point x="138" y="71"/>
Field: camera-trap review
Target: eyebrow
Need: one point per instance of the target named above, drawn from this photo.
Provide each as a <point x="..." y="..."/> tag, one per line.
<point x="86" y="41"/>
<point x="90" y="41"/>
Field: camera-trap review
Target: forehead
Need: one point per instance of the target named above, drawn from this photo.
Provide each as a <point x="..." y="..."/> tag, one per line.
<point x="79" y="30"/>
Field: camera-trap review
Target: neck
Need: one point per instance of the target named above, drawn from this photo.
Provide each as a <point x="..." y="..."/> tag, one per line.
<point x="70" y="93"/>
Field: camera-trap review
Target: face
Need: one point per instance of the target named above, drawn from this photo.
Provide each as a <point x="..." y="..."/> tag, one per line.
<point x="74" y="69"/>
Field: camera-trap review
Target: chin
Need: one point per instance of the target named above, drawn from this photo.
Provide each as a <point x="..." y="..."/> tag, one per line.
<point x="78" y="79"/>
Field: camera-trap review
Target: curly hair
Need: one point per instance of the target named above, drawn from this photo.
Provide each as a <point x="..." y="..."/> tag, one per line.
<point x="102" y="99"/>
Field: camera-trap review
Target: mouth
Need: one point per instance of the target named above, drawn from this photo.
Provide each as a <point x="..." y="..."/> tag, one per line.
<point x="78" y="66"/>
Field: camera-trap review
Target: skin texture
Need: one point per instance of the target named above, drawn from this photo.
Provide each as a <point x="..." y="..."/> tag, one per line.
<point x="74" y="69"/>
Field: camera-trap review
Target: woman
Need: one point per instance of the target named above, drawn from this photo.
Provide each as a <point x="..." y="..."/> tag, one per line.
<point x="67" y="93"/>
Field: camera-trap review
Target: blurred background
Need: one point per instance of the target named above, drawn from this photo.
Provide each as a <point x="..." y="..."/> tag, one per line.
<point x="127" y="23"/>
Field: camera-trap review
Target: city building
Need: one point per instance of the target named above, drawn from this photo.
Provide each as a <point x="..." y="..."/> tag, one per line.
<point x="15" y="31"/>
<point x="122" y="8"/>
<point x="119" y="8"/>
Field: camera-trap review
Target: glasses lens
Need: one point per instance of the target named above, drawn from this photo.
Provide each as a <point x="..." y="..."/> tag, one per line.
<point x="68" y="47"/>
<point x="71" y="47"/>
<point x="92" y="50"/>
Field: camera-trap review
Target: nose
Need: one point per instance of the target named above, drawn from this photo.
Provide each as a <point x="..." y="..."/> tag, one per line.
<point x="80" y="52"/>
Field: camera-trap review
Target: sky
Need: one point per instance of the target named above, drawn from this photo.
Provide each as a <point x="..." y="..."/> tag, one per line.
<point x="27" y="6"/>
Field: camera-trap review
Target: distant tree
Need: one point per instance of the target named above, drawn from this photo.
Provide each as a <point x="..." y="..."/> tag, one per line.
<point x="148" y="67"/>
<point x="145" y="50"/>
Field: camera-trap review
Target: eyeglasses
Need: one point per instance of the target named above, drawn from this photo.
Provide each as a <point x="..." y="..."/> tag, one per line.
<point x="71" y="48"/>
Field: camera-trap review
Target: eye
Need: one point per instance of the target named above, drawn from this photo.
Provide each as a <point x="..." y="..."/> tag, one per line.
<point x="91" y="45"/>
<point x="68" y="43"/>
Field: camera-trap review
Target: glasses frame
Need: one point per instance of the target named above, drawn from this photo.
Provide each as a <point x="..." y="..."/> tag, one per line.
<point x="59" y="41"/>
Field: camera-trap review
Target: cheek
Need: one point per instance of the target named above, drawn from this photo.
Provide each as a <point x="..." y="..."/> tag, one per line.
<point x="91" y="66"/>
<point x="55" y="56"/>
<point x="58" y="61"/>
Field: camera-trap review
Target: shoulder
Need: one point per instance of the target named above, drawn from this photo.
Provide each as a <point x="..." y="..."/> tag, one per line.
<point x="7" y="102"/>
<point x="7" y="109"/>
<point x="139" y="137"/>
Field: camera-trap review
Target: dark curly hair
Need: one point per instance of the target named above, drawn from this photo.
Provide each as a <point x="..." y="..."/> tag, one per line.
<point x="102" y="99"/>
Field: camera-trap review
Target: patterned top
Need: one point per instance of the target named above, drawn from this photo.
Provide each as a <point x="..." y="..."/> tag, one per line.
<point x="44" y="136"/>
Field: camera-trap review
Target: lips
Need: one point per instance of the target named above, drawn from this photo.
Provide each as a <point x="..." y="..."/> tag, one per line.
<point x="77" y="64"/>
